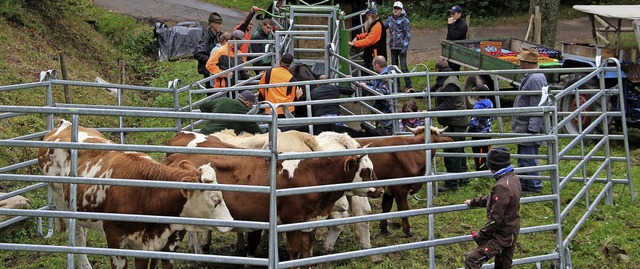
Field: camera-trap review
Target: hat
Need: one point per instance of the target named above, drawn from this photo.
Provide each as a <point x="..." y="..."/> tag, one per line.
<point x="398" y="4"/>
<point x="498" y="157"/>
<point x="372" y="10"/>
<point x="238" y="34"/>
<point x="528" y="55"/>
<point x="480" y="88"/>
<point x="455" y="9"/>
<point x="215" y="17"/>
<point x="247" y="95"/>
<point x="286" y="58"/>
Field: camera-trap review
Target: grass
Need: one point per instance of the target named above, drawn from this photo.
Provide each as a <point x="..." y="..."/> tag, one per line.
<point x="611" y="228"/>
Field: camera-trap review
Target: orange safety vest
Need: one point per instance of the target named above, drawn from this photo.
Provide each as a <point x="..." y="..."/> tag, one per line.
<point x="277" y="95"/>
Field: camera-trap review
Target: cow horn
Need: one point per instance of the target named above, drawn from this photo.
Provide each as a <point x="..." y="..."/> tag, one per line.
<point x="438" y="130"/>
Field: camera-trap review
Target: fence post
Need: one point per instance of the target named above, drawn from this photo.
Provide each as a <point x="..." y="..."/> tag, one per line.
<point x="65" y="76"/>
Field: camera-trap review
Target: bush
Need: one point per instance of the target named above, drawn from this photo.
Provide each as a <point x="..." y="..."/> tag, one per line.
<point x="436" y="9"/>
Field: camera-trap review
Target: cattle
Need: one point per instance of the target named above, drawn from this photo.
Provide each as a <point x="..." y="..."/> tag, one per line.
<point x="130" y="200"/>
<point x="246" y="170"/>
<point x="288" y="141"/>
<point x="357" y="205"/>
<point x="401" y="164"/>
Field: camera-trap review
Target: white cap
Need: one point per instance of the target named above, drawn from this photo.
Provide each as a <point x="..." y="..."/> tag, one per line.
<point x="398" y="4"/>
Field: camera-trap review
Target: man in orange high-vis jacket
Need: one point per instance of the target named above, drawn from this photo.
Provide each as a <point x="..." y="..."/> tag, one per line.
<point x="282" y="94"/>
<point x="373" y="40"/>
<point x="222" y="59"/>
<point x="246" y="26"/>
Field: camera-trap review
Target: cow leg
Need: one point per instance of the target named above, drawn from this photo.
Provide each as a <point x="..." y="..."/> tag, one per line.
<point x="253" y="241"/>
<point x="206" y="247"/>
<point x="194" y="243"/>
<point x="172" y="243"/>
<point x="240" y="243"/>
<point x="307" y="243"/>
<point x="387" y="202"/>
<point x="403" y="204"/>
<point x="141" y="263"/>
<point x="81" y="241"/>
<point x="340" y="210"/>
<point x="294" y="243"/>
<point x="359" y="206"/>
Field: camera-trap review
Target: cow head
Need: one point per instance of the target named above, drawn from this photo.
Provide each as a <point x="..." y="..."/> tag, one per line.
<point x="366" y="173"/>
<point x="204" y="204"/>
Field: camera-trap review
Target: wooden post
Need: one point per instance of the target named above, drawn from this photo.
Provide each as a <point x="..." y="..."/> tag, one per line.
<point x="65" y="76"/>
<point x="529" y="34"/>
<point x="538" y="34"/>
<point x="121" y="62"/>
<point x="468" y="19"/>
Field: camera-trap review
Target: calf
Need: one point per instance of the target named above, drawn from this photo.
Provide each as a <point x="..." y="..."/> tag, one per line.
<point x="129" y="200"/>
<point x="401" y="164"/>
<point x="245" y="170"/>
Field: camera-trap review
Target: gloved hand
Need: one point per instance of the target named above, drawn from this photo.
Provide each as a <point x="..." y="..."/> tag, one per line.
<point x="476" y="237"/>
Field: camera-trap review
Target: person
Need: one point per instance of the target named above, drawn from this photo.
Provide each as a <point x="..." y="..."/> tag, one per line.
<point x="282" y="94"/>
<point x="529" y="124"/>
<point x="207" y="42"/>
<point x="241" y="105"/>
<point x="405" y="124"/>
<point x="221" y="59"/>
<point x="480" y="124"/>
<point x="498" y="237"/>
<point x="399" y="37"/>
<point x="456" y="29"/>
<point x="222" y="40"/>
<point x="455" y="124"/>
<point x="381" y="86"/>
<point x="246" y="26"/>
<point x="373" y="40"/>
<point x="262" y="33"/>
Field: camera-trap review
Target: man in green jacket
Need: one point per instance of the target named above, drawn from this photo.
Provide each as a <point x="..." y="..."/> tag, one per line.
<point x="241" y="105"/>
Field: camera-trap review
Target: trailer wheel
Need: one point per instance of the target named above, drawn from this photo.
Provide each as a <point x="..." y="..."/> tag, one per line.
<point x="570" y="103"/>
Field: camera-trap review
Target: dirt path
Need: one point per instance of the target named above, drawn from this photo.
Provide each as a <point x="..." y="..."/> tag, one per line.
<point x="425" y="43"/>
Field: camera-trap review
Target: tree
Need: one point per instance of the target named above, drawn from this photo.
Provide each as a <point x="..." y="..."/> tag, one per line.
<point x="549" y="11"/>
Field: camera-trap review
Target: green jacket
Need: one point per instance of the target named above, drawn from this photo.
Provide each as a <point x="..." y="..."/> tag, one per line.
<point x="229" y="106"/>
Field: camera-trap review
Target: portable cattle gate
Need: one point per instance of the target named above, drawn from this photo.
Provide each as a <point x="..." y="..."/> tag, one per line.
<point x="592" y="146"/>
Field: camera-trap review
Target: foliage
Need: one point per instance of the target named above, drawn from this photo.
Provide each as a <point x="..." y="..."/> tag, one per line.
<point x="475" y="8"/>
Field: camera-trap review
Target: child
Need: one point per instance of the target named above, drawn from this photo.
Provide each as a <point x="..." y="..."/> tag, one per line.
<point x="410" y="106"/>
<point x="221" y="41"/>
<point x="480" y="124"/>
<point x="498" y="236"/>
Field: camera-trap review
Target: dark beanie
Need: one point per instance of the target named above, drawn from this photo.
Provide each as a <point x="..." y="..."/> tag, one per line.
<point x="215" y="17"/>
<point x="498" y="158"/>
<point x="287" y="58"/>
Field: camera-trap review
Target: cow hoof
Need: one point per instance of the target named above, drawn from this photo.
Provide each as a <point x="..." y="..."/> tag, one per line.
<point x="408" y="234"/>
<point x="376" y="259"/>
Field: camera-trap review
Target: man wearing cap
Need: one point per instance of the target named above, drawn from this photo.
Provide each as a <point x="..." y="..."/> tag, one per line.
<point x="373" y="40"/>
<point x="529" y="124"/>
<point x="222" y="59"/>
<point x="207" y="42"/>
<point x="498" y="237"/>
<point x="399" y="37"/>
<point x="241" y="105"/>
<point x="456" y="29"/>
<point x="282" y="94"/>
<point x="246" y="26"/>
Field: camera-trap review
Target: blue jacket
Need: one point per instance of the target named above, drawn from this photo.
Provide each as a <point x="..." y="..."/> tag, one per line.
<point x="481" y="124"/>
<point x="529" y="124"/>
<point x="399" y="31"/>
<point x="381" y="86"/>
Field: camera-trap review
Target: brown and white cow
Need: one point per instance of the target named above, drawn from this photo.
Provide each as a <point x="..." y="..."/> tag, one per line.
<point x="401" y="164"/>
<point x="288" y="141"/>
<point x="245" y="170"/>
<point x="130" y="200"/>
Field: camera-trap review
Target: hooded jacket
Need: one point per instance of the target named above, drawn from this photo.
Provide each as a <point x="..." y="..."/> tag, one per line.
<point x="259" y="47"/>
<point x="399" y="31"/>
<point x="457" y="30"/>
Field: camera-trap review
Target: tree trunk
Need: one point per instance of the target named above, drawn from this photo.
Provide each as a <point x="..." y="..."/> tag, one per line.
<point x="549" y="9"/>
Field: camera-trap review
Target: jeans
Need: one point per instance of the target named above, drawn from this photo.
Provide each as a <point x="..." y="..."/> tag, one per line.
<point x="334" y="115"/>
<point x="535" y="184"/>
<point x="395" y="55"/>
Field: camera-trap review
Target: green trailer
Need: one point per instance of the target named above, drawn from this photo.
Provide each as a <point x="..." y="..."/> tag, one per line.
<point x="468" y="53"/>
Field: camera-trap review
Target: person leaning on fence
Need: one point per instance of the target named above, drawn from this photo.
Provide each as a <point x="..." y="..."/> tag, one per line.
<point x="399" y="37"/>
<point x="480" y="124"/>
<point x="457" y="29"/>
<point x="529" y="124"/>
<point x="373" y="40"/>
<point x="207" y="42"/>
<point x="409" y="107"/>
<point x="262" y="33"/>
<point x="241" y="105"/>
<point x="498" y="237"/>
<point x="451" y="84"/>
<point x="381" y="86"/>
<point x="222" y="59"/>
<point x="282" y="94"/>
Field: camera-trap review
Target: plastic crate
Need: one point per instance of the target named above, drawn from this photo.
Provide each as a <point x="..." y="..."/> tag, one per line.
<point x="549" y="52"/>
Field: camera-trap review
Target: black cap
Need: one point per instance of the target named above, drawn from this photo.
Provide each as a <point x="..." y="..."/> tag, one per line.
<point x="498" y="157"/>
<point x="286" y="58"/>
<point x="247" y="95"/>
